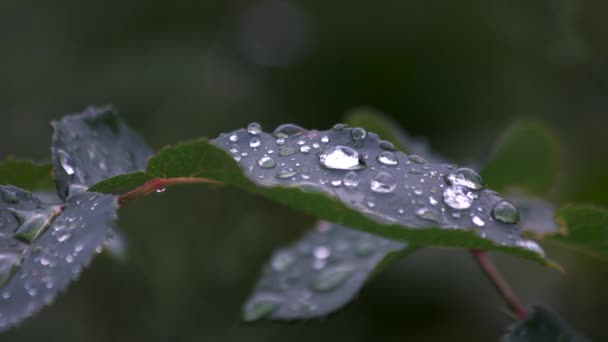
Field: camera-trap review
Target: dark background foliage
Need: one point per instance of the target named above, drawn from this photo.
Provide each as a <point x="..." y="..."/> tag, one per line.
<point x="456" y="72"/>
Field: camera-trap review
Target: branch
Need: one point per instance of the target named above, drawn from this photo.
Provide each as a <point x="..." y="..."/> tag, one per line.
<point x="486" y="265"/>
<point x="159" y="184"/>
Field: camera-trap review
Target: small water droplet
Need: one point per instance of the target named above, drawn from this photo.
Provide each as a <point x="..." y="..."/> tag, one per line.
<point x="66" y="162"/>
<point x="286" y="173"/>
<point x="388" y="158"/>
<point x="383" y="183"/>
<point x="325" y="139"/>
<point x="339" y="127"/>
<point x="161" y="190"/>
<point x="322" y="252"/>
<point x="254" y="128"/>
<point x="387" y="145"/>
<point x="433" y="201"/>
<point x="234" y="138"/>
<point x="286" y="151"/>
<point x="336" y="182"/>
<point x="266" y="162"/>
<point x="351" y="180"/>
<point x="506" y="212"/>
<point x="305" y="149"/>
<point x="341" y="158"/>
<point x="416" y="159"/>
<point x="281" y="141"/>
<point x="429" y="214"/>
<point x="456" y="197"/>
<point x="465" y="177"/>
<point x="331" y="278"/>
<point x="478" y="221"/>
<point x="531" y="246"/>
<point x="254" y="142"/>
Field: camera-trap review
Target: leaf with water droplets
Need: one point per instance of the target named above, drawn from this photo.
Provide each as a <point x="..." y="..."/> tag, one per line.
<point x="542" y="325"/>
<point x="26" y="174"/>
<point x="319" y="274"/>
<point x="525" y="158"/>
<point x="341" y="180"/>
<point x="61" y="240"/>
<point x="92" y="146"/>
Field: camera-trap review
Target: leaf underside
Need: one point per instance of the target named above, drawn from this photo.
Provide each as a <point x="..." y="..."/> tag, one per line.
<point x="319" y="274"/>
<point x="40" y="253"/>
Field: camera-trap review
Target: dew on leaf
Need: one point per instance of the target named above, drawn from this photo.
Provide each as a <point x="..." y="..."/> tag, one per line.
<point x="358" y="134"/>
<point x="321" y="252"/>
<point x="429" y="214"/>
<point x="288" y="130"/>
<point x="325" y="139"/>
<point x="386" y="145"/>
<point x="286" y="173"/>
<point x="254" y="128"/>
<point x="383" y="183"/>
<point x="506" y="212"/>
<point x="478" y="221"/>
<point x="254" y="142"/>
<point x="66" y="162"/>
<point x="234" y="138"/>
<point x="388" y="158"/>
<point x="286" y="151"/>
<point x="465" y="177"/>
<point x="341" y="158"/>
<point x="416" y="159"/>
<point x="305" y="149"/>
<point x="266" y="162"/>
<point x="351" y="180"/>
<point x="456" y="197"/>
<point x="331" y="278"/>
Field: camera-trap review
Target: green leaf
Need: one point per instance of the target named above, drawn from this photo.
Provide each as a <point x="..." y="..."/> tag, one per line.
<point x="319" y="274"/>
<point x="120" y="184"/>
<point x="582" y="228"/>
<point x="407" y="204"/>
<point x="44" y="247"/>
<point x="94" y="145"/>
<point x="542" y="325"/>
<point x="375" y="121"/>
<point x="26" y="174"/>
<point x="525" y="159"/>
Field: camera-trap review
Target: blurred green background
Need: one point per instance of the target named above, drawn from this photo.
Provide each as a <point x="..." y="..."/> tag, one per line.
<point x="456" y="72"/>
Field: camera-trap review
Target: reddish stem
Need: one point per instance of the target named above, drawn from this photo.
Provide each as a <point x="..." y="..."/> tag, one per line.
<point x="157" y="184"/>
<point x="486" y="265"/>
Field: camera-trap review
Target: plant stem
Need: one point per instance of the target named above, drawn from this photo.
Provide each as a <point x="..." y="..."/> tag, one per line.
<point x="159" y="184"/>
<point x="486" y="265"/>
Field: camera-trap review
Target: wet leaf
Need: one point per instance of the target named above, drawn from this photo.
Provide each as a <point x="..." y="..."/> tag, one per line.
<point x="26" y="174"/>
<point x="92" y="146"/>
<point x="525" y="159"/>
<point x="542" y="325"/>
<point x="120" y="184"/>
<point x="338" y="176"/>
<point x="319" y="274"/>
<point x="35" y="269"/>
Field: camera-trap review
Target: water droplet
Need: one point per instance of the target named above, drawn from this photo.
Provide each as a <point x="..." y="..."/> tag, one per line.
<point x="358" y="134"/>
<point x="505" y="212"/>
<point x="465" y="177"/>
<point x="254" y="128"/>
<point x="259" y="308"/>
<point x="305" y="149"/>
<point x="339" y="127"/>
<point x="416" y="159"/>
<point x="383" y="183"/>
<point x="266" y="162"/>
<point x="66" y="162"/>
<point x="234" y="138"/>
<point x="351" y="180"/>
<point x="456" y="197"/>
<point x="387" y="145"/>
<point x="478" y="221"/>
<point x="254" y="142"/>
<point x="531" y="246"/>
<point x="388" y="158"/>
<point x="325" y="139"/>
<point x="286" y="173"/>
<point x="288" y="130"/>
<point x="336" y="182"/>
<point x="281" y="141"/>
<point x="433" y="201"/>
<point x="161" y="190"/>
<point x="331" y="278"/>
<point x="286" y="151"/>
<point x="321" y="252"/>
<point x="282" y="261"/>
<point x="341" y="158"/>
<point x="429" y="214"/>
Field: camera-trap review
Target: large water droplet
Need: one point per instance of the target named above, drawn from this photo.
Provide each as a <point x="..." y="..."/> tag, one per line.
<point x="288" y="130"/>
<point x="8" y="264"/>
<point x="456" y="197"/>
<point x="66" y="162"/>
<point x="351" y="180"/>
<point x="341" y="158"/>
<point x="429" y="214"/>
<point x="506" y="212"/>
<point x="266" y="162"/>
<point x="260" y="307"/>
<point x="388" y="158"/>
<point x="331" y="278"/>
<point x="465" y="177"/>
<point x="254" y="128"/>
<point x="383" y="183"/>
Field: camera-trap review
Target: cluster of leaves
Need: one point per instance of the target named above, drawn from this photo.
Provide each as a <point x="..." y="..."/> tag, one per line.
<point x="377" y="203"/>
